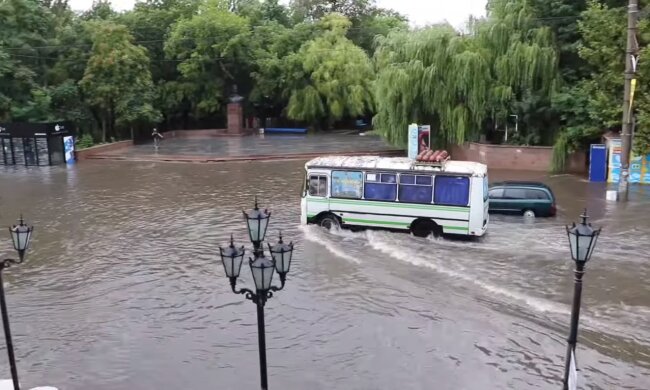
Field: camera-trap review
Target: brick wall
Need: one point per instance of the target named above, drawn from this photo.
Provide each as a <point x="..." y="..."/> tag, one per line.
<point x="82" y="154"/>
<point x="525" y="158"/>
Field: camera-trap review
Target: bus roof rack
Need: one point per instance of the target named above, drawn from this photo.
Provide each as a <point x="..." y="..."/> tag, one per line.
<point x="429" y="164"/>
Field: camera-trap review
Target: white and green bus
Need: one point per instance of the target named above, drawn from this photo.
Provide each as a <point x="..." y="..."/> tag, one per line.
<point x="396" y="193"/>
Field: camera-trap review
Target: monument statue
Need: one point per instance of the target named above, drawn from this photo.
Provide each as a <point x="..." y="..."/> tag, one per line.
<point x="234" y="96"/>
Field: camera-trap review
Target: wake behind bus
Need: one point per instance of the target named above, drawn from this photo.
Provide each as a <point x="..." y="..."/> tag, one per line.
<point x="449" y="197"/>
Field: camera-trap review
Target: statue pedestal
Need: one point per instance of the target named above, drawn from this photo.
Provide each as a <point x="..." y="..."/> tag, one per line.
<point x="235" y="118"/>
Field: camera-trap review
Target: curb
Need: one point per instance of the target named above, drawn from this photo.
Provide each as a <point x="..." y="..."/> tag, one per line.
<point x="211" y="159"/>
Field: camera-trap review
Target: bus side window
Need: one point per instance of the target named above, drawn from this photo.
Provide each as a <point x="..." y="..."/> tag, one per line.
<point x="317" y="185"/>
<point x="322" y="186"/>
<point x="486" y="189"/>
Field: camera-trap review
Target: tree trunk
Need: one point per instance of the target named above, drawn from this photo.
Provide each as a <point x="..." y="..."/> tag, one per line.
<point x="103" y="129"/>
<point x="112" y="121"/>
<point x="186" y="119"/>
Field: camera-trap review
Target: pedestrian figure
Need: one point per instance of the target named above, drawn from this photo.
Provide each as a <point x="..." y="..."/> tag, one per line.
<point x="156" y="138"/>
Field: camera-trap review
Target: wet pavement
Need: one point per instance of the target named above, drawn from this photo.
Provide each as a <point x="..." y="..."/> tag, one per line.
<point x="256" y="146"/>
<point x="123" y="289"/>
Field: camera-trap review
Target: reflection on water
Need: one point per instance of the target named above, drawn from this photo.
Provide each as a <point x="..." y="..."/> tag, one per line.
<point x="123" y="289"/>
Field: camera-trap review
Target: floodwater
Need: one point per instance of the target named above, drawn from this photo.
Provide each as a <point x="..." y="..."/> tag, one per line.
<point x="260" y="145"/>
<point x="123" y="289"/>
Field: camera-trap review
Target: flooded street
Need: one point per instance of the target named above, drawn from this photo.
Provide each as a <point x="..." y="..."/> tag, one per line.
<point x="124" y="289"/>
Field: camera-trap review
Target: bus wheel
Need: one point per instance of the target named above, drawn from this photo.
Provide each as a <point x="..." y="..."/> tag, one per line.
<point x="329" y="221"/>
<point x="425" y="227"/>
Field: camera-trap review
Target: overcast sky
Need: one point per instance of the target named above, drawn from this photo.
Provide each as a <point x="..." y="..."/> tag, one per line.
<point x="419" y="12"/>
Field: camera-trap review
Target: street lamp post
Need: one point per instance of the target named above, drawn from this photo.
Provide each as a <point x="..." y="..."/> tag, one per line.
<point x="582" y="239"/>
<point x="21" y="234"/>
<point x="262" y="269"/>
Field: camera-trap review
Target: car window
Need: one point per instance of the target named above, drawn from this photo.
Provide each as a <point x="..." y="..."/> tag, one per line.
<point x="496" y="193"/>
<point x="536" y="194"/>
<point x="515" y="193"/>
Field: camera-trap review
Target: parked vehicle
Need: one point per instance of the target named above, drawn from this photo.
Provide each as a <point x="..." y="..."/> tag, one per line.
<point x="396" y="193"/>
<point x="531" y="199"/>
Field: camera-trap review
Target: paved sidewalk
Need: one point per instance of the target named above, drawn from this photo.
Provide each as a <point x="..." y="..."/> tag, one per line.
<point x="255" y="147"/>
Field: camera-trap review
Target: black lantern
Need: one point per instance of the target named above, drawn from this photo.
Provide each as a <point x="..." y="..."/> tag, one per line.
<point x="232" y="259"/>
<point x="281" y="254"/>
<point x="21" y="235"/>
<point x="262" y="269"/>
<point x="257" y="221"/>
<point x="582" y="239"/>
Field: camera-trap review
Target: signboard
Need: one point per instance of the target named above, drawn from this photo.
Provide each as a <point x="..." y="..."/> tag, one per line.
<point x="347" y="184"/>
<point x="68" y="149"/>
<point x="639" y="165"/>
<point x="418" y="137"/>
<point x="413" y="135"/>
<point x="598" y="163"/>
<point x="424" y="136"/>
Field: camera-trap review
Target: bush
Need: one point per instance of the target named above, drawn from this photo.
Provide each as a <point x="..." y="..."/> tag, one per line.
<point x="560" y="153"/>
<point x="85" y="141"/>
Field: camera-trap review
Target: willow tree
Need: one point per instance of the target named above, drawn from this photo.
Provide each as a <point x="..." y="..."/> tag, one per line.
<point x="462" y="84"/>
<point x="331" y="78"/>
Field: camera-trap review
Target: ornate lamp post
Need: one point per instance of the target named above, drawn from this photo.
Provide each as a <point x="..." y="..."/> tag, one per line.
<point x="262" y="269"/>
<point x="582" y="240"/>
<point x="21" y="234"/>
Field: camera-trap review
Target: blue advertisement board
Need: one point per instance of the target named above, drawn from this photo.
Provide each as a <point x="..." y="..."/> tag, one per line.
<point x="598" y="163"/>
<point x="639" y="165"/>
<point x="347" y="184"/>
<point x="68" y="149"/>
<point x="413" y="147"/>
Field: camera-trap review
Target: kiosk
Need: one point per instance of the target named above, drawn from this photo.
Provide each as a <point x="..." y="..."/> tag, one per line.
<point x="36" y="143"/>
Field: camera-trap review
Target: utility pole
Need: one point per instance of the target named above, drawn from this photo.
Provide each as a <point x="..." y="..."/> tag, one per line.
<point x="631" y="56"/>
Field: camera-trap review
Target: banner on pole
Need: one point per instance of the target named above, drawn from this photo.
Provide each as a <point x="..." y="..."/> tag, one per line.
<point x="424" y="131"/>
<point x="632" y="89"/>
<point x="413" y="141"/>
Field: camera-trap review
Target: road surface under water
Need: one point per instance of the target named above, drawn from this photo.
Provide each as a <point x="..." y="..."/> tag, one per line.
<point x="123" y="289"/>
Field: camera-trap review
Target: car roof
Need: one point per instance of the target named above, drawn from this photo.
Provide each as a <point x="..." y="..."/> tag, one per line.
<point x="515" y="183"/>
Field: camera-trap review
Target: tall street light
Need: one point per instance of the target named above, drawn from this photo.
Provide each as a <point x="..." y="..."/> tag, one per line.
<point x="262" y="269"/>
<point x="582" y="239"/>
<point x="21" y="234"/>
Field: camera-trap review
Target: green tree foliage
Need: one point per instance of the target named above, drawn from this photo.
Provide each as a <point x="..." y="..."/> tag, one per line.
<point x="214" y="49"/>
<point x="463" y="84"/>
<point x="593" y="104"/>
<point x="26" y="29"/>
<point x="117" y="82"/>
<point x="556" y="64"/>
<point x="317" y="9"/>
<point x="334" y="76"/>
<point x="150" y="23"/>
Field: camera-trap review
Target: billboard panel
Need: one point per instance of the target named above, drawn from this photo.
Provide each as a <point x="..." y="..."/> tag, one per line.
<point x="68" y="148"/>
